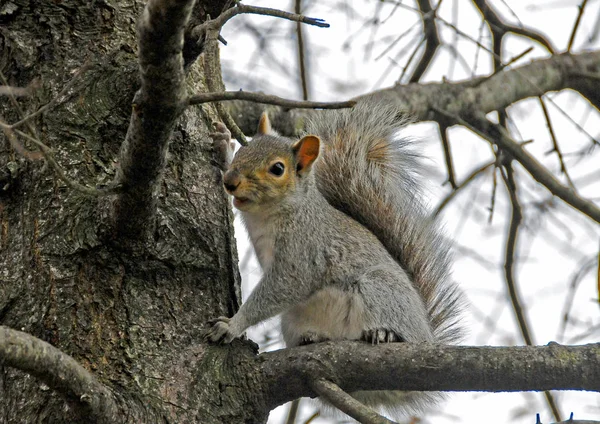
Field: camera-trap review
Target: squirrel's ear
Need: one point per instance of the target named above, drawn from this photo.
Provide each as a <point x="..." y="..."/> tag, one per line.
<point x="264" y="125"/>
<point x="306" y="151"/>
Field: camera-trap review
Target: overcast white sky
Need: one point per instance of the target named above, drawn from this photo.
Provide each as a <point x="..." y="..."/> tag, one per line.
<point x="552" y="248"/>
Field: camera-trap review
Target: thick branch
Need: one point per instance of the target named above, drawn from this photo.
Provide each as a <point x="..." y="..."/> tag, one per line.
<point x="156" y="106"/>
<point x="500" y="91"/>
<point x="560" y="72"/>
<point x="355" y="366"/>
<point x="59" y="371"/>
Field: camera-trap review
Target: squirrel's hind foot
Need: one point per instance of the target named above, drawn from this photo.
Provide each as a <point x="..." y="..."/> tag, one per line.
<point x="381" y="335"/>
<point x="310" y="338"/>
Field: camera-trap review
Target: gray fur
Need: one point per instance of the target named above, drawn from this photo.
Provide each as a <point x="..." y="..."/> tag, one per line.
<point x="349" y="248"/>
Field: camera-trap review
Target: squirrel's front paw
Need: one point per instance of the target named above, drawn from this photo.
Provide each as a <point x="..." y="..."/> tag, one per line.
<point x="223" y="145"/>
<point x="220" y="331"/>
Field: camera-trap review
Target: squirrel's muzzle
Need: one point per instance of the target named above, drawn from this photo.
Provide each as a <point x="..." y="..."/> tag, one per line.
<point x="232" y="180"/>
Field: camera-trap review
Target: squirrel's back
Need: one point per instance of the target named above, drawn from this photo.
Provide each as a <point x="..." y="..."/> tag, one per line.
<point x="368" y="172"/>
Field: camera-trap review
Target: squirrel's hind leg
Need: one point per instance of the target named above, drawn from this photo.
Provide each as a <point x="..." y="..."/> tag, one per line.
<point x="394" y="311"/>
<point x="329" y="314"/>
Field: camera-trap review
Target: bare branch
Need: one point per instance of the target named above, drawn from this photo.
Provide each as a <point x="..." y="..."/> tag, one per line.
<point x="214" y="80"/>
<point x="471" y="177"/>
<point x="48" y="155"/>
<point x="576" y="26"/>
<point x="498" y="26"/>
<point x="56" y="98"/>
<point x="556" y="149"/>
<point x="156" y="106"/>
<point x="301" y="52"/>
<point x="218" y="22"/>
<point x="485" y="129"/>
<point x="405" y="366"/>
<point x="510" y="253"/>
<point x="59" y="371"/>
<point x="509" y="270"/>
<point x="432" y="39"/>
<point x="531" y="80"/>
<point x="346" y="403"/>
<point x="266" y="99"/>
<point x="448" y="156"/>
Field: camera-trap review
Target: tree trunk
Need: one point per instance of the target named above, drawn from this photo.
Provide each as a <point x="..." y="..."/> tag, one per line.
<point x="132" y="314"/>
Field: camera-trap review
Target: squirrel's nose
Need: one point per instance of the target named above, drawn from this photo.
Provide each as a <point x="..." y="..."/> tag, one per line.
<point x="231" y="180"/>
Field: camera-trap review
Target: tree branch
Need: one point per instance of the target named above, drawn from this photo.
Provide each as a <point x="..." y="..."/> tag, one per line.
<point x="159" y="102"/>
<point x="465" y="98"/>
<point x="498" y="135"/>
<point x="266" y="99"/>
<point x="532" y="80"/>
<point x="346" y="403"/>
<point x="218" y="22"/>
<point x="432" y="39"/>
<point x="286" y="373"/>
<point x="498" y="26"/>
<point x="60" y="372"/>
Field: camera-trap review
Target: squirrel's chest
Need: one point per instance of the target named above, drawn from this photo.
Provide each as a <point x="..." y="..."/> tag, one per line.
<point x="262" y="232"/>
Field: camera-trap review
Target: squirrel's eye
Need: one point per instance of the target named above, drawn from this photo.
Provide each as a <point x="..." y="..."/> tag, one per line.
<point x="277" y="169"/>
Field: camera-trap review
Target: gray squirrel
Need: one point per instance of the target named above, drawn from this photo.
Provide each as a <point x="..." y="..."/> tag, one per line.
<point x="347" y="248"/>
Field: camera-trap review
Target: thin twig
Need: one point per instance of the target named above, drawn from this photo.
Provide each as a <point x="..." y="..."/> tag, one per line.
<point x="410" y="59"/>
<point x="432" y="39"/>
<point x="293" y="412"/>
<point x="499" y="26"/>
<point x="266" y="99"/>
<point x="448" y="156"/>
<point x="49" y="156"/>
<point x="556" y="149"/>
<point x="218" y="22"/>
<point x="301" y="59"/>
<point x="56" y="98"/>
<point x="502" y="66"/>
<point x="576" y="26"/>
<point x="471" y="177"/>
<point x="7" y="90"/>
<point x="346" y="403"/>
<point x="510" y="254"/>
<point x="509" y="271"/>
<point x="499" y="136"/>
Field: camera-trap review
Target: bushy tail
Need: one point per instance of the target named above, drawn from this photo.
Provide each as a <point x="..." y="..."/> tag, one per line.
<point x="372" y="175"/>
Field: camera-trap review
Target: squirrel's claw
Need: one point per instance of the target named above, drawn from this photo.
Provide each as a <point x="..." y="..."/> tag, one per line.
<point x="310" y="338"/>
<point x="219" y="331"/>
<point x="221" y="132"/>
<point x="381" y="335"/>
<point x="223" y="145"/>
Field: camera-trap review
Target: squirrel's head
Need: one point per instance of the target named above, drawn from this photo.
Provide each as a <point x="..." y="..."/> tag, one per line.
<point x="269" y="169"/>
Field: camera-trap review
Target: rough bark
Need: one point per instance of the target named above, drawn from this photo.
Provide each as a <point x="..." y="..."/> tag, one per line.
<point x="132" y="316"/>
